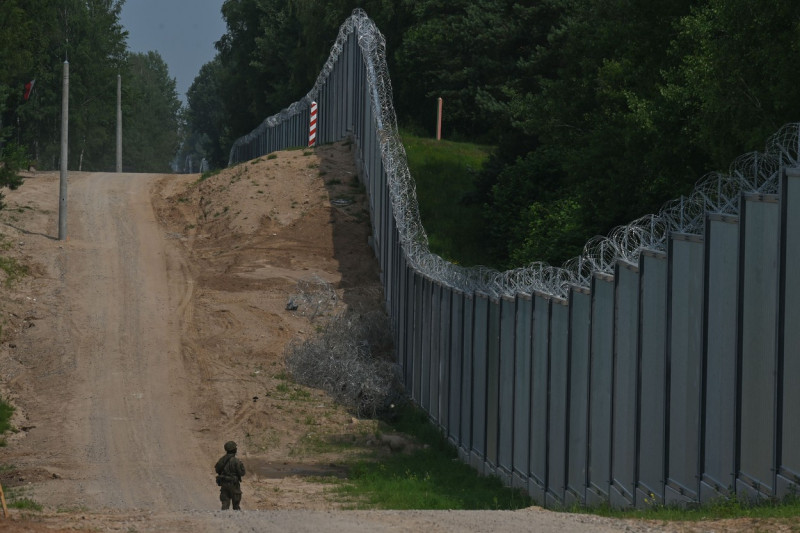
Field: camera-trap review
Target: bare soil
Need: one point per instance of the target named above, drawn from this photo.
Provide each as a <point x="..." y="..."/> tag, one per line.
<point x="156" y="332"/>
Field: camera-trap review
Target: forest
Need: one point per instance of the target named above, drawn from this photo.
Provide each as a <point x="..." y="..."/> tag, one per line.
<point x="36" y="38"/>
<point x="598" y="112"/>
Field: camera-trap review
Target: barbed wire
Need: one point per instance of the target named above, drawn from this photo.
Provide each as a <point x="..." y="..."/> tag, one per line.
<point x="313" y="297"/>
<point x="755" y="172"/>
<point x="350" y="359"/>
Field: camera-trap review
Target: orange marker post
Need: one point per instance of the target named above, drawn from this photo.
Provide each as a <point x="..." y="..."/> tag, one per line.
<point x="439" y="120"/>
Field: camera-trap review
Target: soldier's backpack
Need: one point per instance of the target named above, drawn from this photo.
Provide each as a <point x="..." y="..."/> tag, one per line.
<point x="221" y="477"/>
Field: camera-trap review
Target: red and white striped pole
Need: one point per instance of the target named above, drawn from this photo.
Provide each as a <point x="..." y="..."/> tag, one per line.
<point x="312" y="128"/>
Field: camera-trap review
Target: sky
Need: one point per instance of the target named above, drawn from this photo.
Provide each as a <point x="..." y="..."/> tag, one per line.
<point x="183" y="32"/>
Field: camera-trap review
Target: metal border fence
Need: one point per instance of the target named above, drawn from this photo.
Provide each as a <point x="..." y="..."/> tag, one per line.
<point x="659" y="366"/>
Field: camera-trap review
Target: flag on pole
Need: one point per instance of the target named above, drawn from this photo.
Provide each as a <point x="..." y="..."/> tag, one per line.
<point x="28" y="89"/>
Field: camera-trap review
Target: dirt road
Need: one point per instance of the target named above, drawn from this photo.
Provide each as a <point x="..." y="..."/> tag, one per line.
<point x="120" y="424"/>
<point x="156" y="332"/>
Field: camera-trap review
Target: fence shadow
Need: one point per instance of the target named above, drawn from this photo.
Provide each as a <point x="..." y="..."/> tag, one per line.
<point x="360" y="283"/>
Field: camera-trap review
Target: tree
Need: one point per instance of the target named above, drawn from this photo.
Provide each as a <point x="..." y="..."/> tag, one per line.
<point x="636" y="101"/>
<point x="97" y="52"/>
<point x="206" y="117"/>
<point x="150" y="114"/>
<point x="465" y="52"/>
<point x="13" y="157"/>
<point x="88" y="34"/>
<point x="594" y="111"/>
<point x="736" y="78"/>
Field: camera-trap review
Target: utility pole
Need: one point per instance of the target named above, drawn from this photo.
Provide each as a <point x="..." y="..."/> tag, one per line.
<point x="62" y="199"/>
<point x="119" y="123"/>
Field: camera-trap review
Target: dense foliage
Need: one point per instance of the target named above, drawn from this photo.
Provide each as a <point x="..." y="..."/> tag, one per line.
<point x="150" y="115"/>
<point x="600" y="111"/>
<point x="36" y="37"/>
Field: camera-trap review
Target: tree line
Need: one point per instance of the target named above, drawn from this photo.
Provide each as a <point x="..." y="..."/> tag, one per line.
<point x="36" y="37"/>
<point x="600" y="111"/>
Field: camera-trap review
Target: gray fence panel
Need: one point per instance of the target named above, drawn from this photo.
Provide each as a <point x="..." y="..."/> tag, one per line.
<point x="625" y="393"/>
<point x="508" y="318"/>
<point x="578" y="441"/>
<point x="402" y="309"/>
<point x="456" y="360"/>
<point x="539" y="397"/>
<point x="322" y="109"/>
<point x="425" y="359"/>
<point x="416" y="385"/>
<point x="435" y="357"/>
<point x="522" y="389"/>
<point x="467" y="374"/>
<point x="758" y="334"/>
<point x="653" y="372"/>
<point x="789" y="460"/>
<point x="353" y="66"/>
<point x="493" y="385"/>
<point x="398" y="266"/>
<point x="383" y="225"/>
<point x="557" y="428"/>
<point x="444" y="357"/>
<point x="719" y="420"/>
<point x="600" y="385"/>
<point x="408" y="333"/>
<point x="685" y="349"/>
<point x="479" y="370"/>
<point x="393" y="253"/>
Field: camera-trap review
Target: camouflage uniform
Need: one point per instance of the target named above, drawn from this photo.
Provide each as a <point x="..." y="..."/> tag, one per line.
<point x="231" y="470"/>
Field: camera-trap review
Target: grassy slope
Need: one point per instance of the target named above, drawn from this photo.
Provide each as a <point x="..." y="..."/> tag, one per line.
<point x="444" y="173"/>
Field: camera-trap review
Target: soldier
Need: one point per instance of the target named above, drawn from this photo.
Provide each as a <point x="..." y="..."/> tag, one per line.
<point x="229" y="474"/>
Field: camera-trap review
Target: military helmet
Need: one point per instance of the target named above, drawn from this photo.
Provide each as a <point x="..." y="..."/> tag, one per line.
<point x="230" y="446"/>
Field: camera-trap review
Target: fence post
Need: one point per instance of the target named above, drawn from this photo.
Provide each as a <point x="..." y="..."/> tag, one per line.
<point x="789" y="430"/>
<point x="758" y="322"/>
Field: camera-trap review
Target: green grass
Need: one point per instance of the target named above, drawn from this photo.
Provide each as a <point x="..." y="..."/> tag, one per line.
<point x="787" y="508"/>
<point x="313" y="444"/>
<point x="25" y="504"/>
<point x="6" y="411"/>
<point x="428" y="478"/>
<point x="16" y="499"/>
<point x="205" y="175"/>
<point x="14" y="269"/>
<point x="445" y="173"/>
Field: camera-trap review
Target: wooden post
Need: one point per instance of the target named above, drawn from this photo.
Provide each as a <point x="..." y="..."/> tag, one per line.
<point x="439" y="120"/>
<point x="3" y="499"/>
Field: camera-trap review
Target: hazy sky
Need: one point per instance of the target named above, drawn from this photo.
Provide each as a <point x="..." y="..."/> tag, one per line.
<point x="182" y="31"/>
